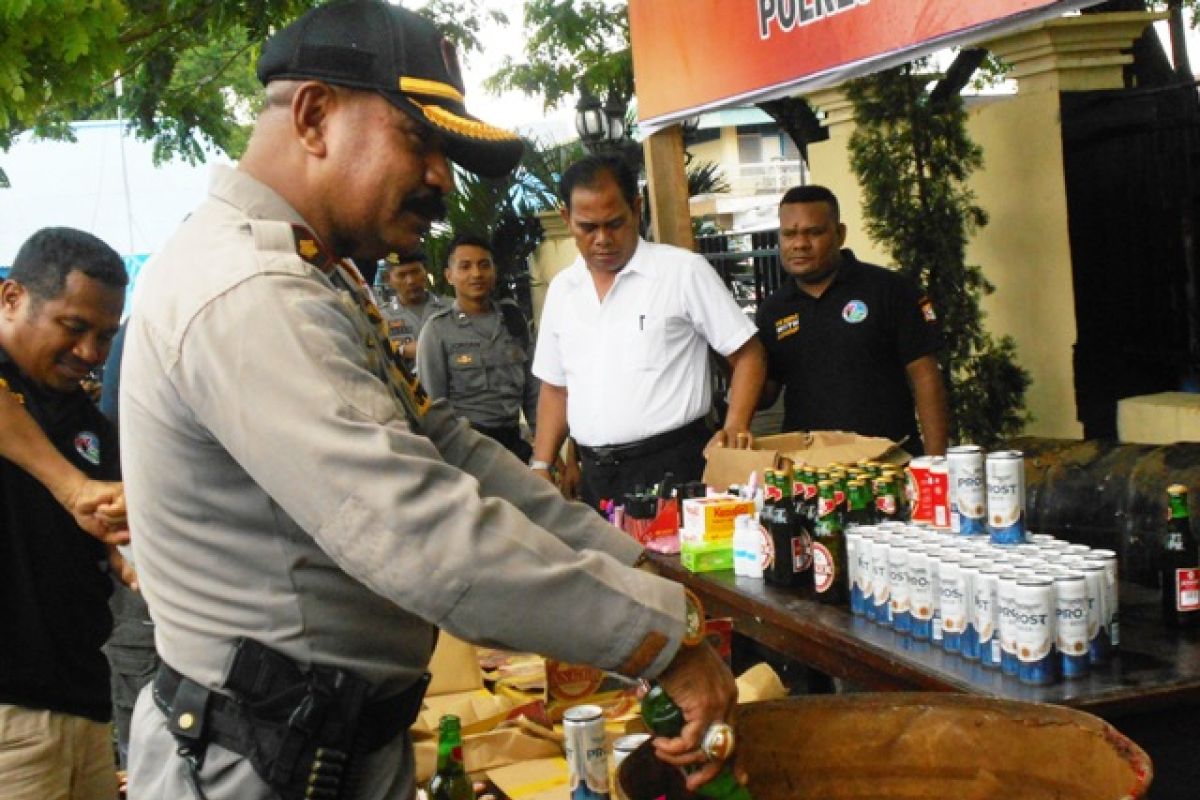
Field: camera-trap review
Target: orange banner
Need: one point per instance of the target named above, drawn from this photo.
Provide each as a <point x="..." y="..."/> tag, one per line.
<point x="695" y="55"/>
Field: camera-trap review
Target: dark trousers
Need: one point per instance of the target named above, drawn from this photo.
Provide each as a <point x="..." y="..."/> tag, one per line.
<point x="510" y="437"/>
<point x="612" y="478"/>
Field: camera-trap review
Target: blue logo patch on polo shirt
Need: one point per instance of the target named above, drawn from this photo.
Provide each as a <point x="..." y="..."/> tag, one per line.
<point x="87" y="444"/>
<point x="854" y="312"/>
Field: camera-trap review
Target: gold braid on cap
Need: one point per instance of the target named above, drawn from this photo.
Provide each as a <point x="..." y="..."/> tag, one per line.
<point x="431" y="88"/>
<point x="444" y="118"/>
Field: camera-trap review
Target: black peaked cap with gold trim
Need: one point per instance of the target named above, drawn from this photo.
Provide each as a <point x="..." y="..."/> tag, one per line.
<point x="375" y="46"/>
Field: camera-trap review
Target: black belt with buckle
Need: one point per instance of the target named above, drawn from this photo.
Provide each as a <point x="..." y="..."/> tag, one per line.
<point x="613" y="455"/>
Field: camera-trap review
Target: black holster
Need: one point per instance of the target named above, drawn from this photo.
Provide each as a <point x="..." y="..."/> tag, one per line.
<point x="301" y="728"/>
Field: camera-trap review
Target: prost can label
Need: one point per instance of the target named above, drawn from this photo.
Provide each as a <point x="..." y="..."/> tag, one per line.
<point x="920" y="595"/>
<point x="587" y="758"/>
<point x="1035" y="615"/>
<point x="1005" y="472"/>
<point x="1006" y="613"/>
<point x="953" y="605"/>
<point x="968" y="490"/>
<point x="1071" y="623"/>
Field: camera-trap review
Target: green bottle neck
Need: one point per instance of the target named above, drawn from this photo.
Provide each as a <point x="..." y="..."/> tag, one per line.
<point x="1177" y="506"/>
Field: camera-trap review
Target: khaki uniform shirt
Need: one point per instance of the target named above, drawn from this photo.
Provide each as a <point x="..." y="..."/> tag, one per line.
<point x="255" y="431"/>
<point x="479" y="366"/>
<point x="405" y="322"/>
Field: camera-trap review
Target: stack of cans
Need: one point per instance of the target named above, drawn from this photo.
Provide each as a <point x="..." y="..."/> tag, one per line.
<point x="1040" y="611"/>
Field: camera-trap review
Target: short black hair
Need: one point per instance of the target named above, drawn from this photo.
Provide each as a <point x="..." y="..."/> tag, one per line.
<point x="590" y="170"/>
<point x="813" y="194"/>
<point x="468" y="239"/>
<point x="50" y="255"/>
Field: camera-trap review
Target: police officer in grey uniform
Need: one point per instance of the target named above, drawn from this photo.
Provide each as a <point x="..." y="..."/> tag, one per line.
<point x="296" y="594"/>
<point x="411" y="304"/>
<point x="478" y="354"/>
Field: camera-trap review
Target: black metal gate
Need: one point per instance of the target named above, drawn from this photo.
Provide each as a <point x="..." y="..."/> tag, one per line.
<point x="1132" y="165"/>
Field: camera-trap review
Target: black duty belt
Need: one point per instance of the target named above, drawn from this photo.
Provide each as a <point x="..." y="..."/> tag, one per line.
<point x="380" y="722"/>
<point x="303" y="730"/>
<point x="615" y="454"/>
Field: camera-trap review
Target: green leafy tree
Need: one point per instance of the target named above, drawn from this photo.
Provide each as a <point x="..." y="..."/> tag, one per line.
<point x="504" y="211"/>
<point x="571" y="45"/>
<point x="912" y="158"/>
<point x="186" y="67"/>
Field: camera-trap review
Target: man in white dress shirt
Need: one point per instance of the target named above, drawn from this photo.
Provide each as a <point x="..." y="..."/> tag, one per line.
<point x="622" y="351"/>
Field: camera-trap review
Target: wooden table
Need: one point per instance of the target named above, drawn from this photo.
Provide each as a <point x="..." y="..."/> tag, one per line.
<point x="1155" y="669"/>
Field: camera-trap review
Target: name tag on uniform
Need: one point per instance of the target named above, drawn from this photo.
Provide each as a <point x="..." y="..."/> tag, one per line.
<point x="786" y="326"/>
<point x="464" y="359"/>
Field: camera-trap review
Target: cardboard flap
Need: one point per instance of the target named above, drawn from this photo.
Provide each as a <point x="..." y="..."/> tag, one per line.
<point x="727" y="466"/>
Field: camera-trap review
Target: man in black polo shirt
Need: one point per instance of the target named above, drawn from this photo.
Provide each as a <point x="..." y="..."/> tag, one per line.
<point x="59" y="310"/>
<point x="853" y="343"/>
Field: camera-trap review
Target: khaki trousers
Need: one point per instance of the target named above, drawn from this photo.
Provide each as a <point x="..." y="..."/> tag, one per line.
<point x="46" y="755"/>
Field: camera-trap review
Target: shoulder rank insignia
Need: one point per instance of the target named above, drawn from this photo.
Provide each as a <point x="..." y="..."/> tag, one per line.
<point x="309" y="247"/>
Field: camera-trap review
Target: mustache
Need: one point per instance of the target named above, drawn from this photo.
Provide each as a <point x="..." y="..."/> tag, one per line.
<point x="428" y="204"/>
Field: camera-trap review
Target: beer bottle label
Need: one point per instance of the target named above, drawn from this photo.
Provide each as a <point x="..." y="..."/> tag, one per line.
<point x="802" y="553"/>
<point x="1187" y="589"/>
<point x="824" y="568"/>
<point x="825" y="506"/>
<point x="886" y="503"/>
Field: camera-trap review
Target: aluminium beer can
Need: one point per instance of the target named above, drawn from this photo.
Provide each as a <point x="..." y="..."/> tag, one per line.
<point x="1108" y="640"/>
<point x="587" y="756"/>
<point x="897" y="572"/>
<point x="854" y="543"/>
<point x="985" y="594"/>
<point x="968" y="490"/>
<point x="1006" y="606"/>
<point x="939" y="492"/>
<point x="952" y="602"/>
<point x="1071" y="624"/>
<point x="919" y="488"/>
<point x="1034" y="609"/>
<point x="1005" y="474"/>
<point x="920" y="594"/>
<point x="1095" y="574"/>
<point x="880" y="588"/>
<point x="968" y="646"/>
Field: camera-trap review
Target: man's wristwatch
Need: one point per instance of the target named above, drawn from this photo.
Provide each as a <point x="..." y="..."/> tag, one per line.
<point x="535" y="464"/>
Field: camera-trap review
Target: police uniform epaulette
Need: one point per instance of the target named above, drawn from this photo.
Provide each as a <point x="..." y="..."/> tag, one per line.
<point x="440" y="312"/>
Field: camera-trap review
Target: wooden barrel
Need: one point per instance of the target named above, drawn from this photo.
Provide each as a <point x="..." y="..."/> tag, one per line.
<point x="1107" y="495"/>
<point x="919" y="746"/>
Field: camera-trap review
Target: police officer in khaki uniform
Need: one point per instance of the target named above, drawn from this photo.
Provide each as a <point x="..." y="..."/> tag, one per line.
<point x="411" y="304"/>
<point x="296" y="592"/>
<point x="478" y="353"/>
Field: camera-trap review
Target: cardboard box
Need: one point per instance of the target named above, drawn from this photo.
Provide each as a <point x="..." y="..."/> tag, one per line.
<point x="728" y="466"/>
<point x="710" y="519"/>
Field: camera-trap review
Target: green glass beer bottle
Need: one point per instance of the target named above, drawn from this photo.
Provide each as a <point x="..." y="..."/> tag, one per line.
<point x="859" y="499"/>
<point x="450" y="782"/>
<point x="1179" y="564"/>
<point x="887" y="500"/>
<point x="664" y="718"/>
<point x="829" y="549"/>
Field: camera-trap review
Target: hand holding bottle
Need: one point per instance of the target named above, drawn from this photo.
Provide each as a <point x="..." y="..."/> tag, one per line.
<point x="703" y="689"/>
